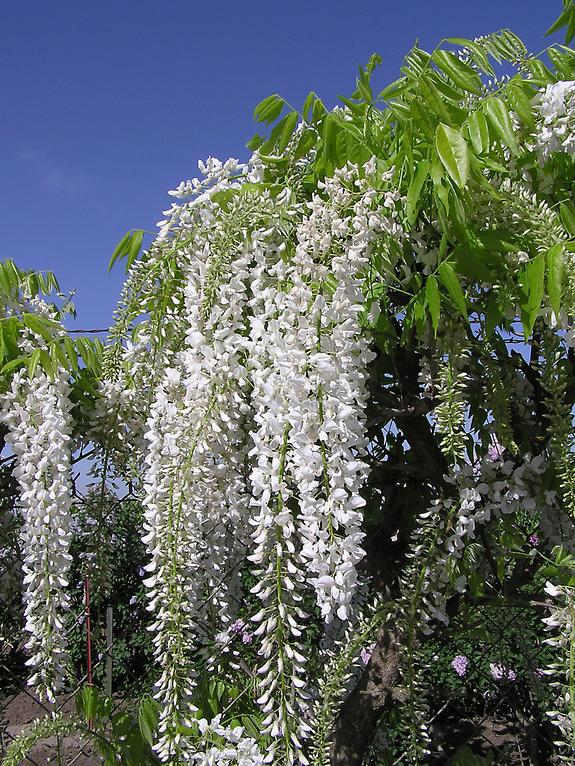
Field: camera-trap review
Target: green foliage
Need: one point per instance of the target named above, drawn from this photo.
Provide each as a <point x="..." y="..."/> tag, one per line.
<point x="128" y="247"/>
<point x="111" y="553"/>
<point x="567" y="20"/>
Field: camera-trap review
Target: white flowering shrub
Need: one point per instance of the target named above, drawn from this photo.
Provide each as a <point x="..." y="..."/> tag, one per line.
<point x="341" y="375"/>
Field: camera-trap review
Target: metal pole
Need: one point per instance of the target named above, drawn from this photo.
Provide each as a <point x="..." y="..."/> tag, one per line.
<point x="109" y="639"/>
<point x="88" y="638"/>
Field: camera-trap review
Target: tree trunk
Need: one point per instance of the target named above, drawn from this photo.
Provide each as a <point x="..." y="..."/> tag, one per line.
<point x="355" y="725"/>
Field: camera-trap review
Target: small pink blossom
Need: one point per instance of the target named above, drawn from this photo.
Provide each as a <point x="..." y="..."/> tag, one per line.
<point x="534" y="539"/>
<point x="237" y="627"/>
<point x="460" y="664"/>
<point x="495" y="452"/>
<point x="501" y="673"/>
<point x="365" y="654"/>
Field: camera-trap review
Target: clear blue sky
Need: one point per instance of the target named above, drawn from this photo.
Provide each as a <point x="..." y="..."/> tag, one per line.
<point x="107" y="105"/>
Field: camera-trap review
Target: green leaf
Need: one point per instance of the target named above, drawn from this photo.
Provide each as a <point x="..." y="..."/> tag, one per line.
<point x="33" y="361"/>
<point x="555" y="265"/>
<point x="307" y="107"/>
<point x="433" y="301"/>
<point x="364" y="86"/>
<point x="566" y="19"/>
<point x="520" y="97"/>
<point x="478" y="52"/>
<point x="269" y="109"/>
<point x="453" y="153"/>
<point x="287" y="133"/>
<point x="478" y="130"/>
<point x="255" y="142"/>
<point x="423" y="118"/>
<point x="13" y="364"/>
<point x="71" y="353"/>
<point x="148" y="716"/>
<point x="541" y="75"/>
<point x="433" y="99"/>
<point x="532" y="284"/>
<point x="498" y="115"/>
<point x="393" y="90"/>
<point x="87" y="702"/>
<point x="567" y="215"/>
<point x="329" y="135"/>
<point x="318" y="110"/>
<point x="357" y="109"/>
<point x="43" y="327"/>
<point x="493" y="315"/>
<point x="122" y="248"/>
<point x="461" y="73"/>
<point x="135" y="246"/>
<point x="449" y="278"/>
<point x="414" y="191"/>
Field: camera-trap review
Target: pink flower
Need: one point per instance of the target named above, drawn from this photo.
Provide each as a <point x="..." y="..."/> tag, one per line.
<point x="365" y="654"/>
<point x="237" y="627"/>
<point x="500" y="673"/>
<point x="534" y="539"/>
<point x="459" y="664"/>
<point x="495" y="452"/>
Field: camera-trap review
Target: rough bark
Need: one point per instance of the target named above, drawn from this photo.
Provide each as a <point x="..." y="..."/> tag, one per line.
<point x="355" y="725"/>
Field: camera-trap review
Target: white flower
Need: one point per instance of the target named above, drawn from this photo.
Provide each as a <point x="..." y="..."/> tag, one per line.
<point x="37" y="414"/>
<point x="556" y="107"/>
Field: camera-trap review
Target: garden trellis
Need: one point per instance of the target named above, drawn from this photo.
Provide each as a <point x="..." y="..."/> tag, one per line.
<point x="341" y="380"/>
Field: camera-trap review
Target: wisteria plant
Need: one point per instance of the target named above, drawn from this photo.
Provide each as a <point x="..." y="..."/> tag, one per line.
<point x="341" y="378"/>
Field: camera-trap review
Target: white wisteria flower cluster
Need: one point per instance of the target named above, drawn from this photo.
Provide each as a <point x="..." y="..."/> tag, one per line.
<point x="36" y="412"/>
<point x="484" y="492"/>
<point x="196" y="496"/>
<point x="561" y="622"/>
<point x="226" y="745"/>
<point x="556" y="107"/>
<point x="258" y="422"/>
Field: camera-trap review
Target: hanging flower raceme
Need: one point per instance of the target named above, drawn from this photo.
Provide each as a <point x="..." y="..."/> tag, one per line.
<point x="328" y="429"/>
<point x="276" y="364"/>
<point x="116" y="426"/>
<point x="36" y="412"/>
<point x="307" y="362"/>
<point x="482" y="494"/>
<point x="196" y="498"/>
<point x="561" y="622"/>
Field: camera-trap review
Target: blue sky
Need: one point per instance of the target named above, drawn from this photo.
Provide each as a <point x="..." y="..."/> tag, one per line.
<point x="108" y="105"/>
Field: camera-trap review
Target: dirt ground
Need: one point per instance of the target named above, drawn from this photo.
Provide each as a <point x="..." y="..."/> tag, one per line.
<point x="16" y="715"/>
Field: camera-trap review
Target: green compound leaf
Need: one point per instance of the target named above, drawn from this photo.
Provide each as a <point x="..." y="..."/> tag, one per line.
<point x="478" y="130"/>
<point x="555" y="266"/>
<point x="453" y="153"/>
<point x="498" y="115"/>
<point x="433" y="301"/>
<point x="461" y="73"/>
<point x="269" y="109"/>
<point x="532" y="284"/>
<point x="449" y="278"/>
